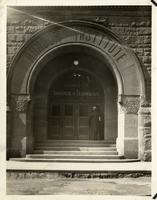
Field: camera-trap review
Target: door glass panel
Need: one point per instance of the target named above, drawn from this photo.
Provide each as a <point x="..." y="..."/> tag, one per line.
<point x="68" y="110"/>
<point x="83" y="111"/>
<point x="55" y="110"/>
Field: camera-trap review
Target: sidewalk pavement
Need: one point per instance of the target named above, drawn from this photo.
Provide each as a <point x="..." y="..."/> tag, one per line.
<point x="48" y="166"/>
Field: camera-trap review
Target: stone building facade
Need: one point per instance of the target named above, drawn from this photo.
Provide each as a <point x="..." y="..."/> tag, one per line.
<point x="108" y="46"/>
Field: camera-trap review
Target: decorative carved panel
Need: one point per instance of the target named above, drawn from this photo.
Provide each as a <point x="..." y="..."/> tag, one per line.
<point x="20" y="102"/>
<point x="129" y="104"/>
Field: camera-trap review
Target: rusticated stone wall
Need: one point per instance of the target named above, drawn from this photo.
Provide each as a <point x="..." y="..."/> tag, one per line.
<point x="144" y="129"/>
<point x="138" y="37"/>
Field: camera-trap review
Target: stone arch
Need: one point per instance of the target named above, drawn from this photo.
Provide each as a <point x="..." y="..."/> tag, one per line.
<point x="121" y="60"/>
<point x="81" y="32"/>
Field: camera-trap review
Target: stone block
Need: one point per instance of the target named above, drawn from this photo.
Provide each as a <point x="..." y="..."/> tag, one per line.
<point x="136" y="40"/>
<point x="132" y="39"/>
<point x="10" y="29"/>
<point x="126" y="38"/>
<point x="126" y="24"/>
<point x="139" y="51"/>
<point x="140" y="40"/>
<point x="143" y="23"/>
<point x="148" y="23"/>
<point x="27" y="37"/>
<point x="19" y="37"/>
<point x="10" y="57"/>
<point x="133" y="45"/>
<point x="13" y="22"/>
<point x="147" y="71"/>
<point x="147" y="59"/>
<point x="147" y="144"/>
<point x="147" y="156"/>
<point x="133" y="24"/>
<point x="145" y="116"/>
<point x="12" y="50"/>
<point x="144" y="31"/>
<point x="19" y="29"/>
<point x="147" y="39"/>
<point x="28" y="22"/>
<point x="130" y="30"/>
<point x="11" y="37"/>
<point x="147" y="49"/>
<point x="121" y="30"/>
<point x="147" y="53"/>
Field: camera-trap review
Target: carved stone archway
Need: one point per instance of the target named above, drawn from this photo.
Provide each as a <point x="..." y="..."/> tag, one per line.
<point x="97" y="40"/>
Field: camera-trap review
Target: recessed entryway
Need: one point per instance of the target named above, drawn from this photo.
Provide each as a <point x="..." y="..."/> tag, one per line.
<point x="76" y="103"/>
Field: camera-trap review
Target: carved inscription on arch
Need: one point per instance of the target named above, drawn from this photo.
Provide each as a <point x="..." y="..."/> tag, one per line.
<point x="103" y="42"/>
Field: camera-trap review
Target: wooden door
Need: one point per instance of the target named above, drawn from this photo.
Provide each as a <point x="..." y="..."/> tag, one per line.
<point x="71" y="121"/>
<point x="55" y="122"/>
<point x="61" y="121"/>
<point x="83" y="122"/>
<point x="68" y="130"/>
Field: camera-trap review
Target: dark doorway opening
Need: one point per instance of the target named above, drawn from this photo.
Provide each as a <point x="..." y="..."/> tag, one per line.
<point x="76" y="107"/>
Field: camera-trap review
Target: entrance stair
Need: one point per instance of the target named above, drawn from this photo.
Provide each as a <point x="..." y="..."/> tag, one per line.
<point x="74" y="151"/>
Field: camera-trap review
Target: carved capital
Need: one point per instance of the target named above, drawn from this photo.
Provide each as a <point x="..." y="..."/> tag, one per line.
<point x="21" y="102"/>
<point x="129" y="104"/>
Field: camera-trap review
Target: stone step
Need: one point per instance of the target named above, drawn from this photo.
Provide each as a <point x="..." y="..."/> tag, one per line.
<point x="76" y="160"/>
<point x="73" y="144"/>
<point x="75" y="141"/>
<point x="67" y="156"/>
<point x="76" y="152"/>
<point x="67" y="148"/>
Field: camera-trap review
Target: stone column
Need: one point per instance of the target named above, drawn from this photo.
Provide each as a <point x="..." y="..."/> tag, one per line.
<point x="127" y="141"/>
<point x="121" y="125"/>
<point x="144" y="128"/>
<point x="20" y="137"/>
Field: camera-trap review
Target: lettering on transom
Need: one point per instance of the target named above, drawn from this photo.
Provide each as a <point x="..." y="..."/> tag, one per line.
<point x="76" y="93"/>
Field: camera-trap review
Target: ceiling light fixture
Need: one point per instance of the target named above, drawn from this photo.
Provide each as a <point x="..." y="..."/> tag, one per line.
<point x="76" y="62"/>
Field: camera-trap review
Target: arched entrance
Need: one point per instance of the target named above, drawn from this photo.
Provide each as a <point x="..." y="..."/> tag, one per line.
<point x="109" y="61"/>
<point x="65" y="99"/>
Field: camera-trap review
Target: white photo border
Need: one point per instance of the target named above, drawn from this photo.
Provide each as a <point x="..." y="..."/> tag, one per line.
<point x="3" y="16"/>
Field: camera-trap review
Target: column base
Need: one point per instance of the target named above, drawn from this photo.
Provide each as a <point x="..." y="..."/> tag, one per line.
<point x="131" y="148"/>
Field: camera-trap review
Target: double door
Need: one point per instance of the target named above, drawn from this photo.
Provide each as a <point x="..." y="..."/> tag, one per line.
<point x="71" y="121"/>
